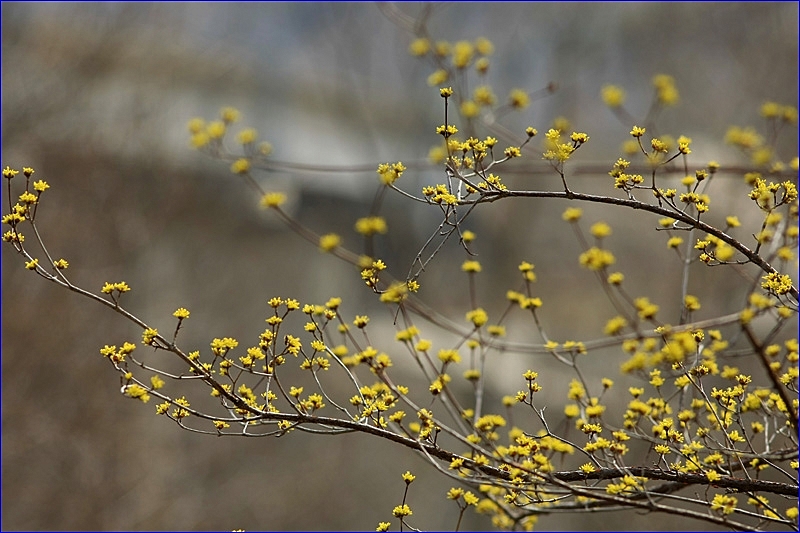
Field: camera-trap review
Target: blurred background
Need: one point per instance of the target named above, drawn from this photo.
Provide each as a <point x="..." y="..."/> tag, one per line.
<point x="96" y="98"/>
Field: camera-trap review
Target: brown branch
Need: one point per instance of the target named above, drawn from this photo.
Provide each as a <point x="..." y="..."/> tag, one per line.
<point x="492" y="196"/>
<point x="777" y="385"/>
<point x="726" y="482"/>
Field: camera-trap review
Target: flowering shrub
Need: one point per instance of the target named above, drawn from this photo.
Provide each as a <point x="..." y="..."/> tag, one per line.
<point x="706" y="424"/>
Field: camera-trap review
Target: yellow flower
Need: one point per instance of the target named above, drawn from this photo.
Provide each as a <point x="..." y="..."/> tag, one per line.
<point x="596" y="259"/>
<point x="578" y="138"/>
<point x="449" y="356"/>
<point x="572" y="214"/>
<point x="462" y="54"/>
<point x="518" y="99"/>
<point x="637" y="131"/>
<point x="9" y="172"/>
<point x="401" y="511"/>
<point x="692" y="303"/>
<point x="438" y="77"/>
<point x="137" y="391"/>
<point x="329" y="242"/>
<point x="469" y="109"/>
<point x="240" y="166"/>
<point x="600" y="230"/>
<point x="612" y="95"/>
<point x="265" y="148"/>
<point x="390" y="173"/>
<point x="371" y="225"/>
<point x="273" y="199"/>
<point x="483" y="95"/>
<point x="247" y="136"/>
<point x="200" y="139"/>
<point x="471" y="266"/>
<point x="615" y="325"/>
<point x="666" y="92"/>
<point x="484" y="46"/>
<point x="229" y="114"/>
<point x="455" y="493"/>
<point x="674" y="242"/>
<point x="156" y="382"/>
<point x="478" y="317"/>
<point x="196" y="125"/>
<point x="419" y="47"/>
<point x="215" y="130"/>
<point x="771" y="110"/>
<point x="724" y="503"/>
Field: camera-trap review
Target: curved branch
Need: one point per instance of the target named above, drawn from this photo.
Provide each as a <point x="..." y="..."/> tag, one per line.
<point x="753" y="257"/>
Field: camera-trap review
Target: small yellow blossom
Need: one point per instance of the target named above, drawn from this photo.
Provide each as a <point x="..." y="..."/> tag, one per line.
<point x="666" y="91"/>
<point x="371" y="225"/>
<point x="419" y="47"/>
<point x="273" y="199"/>
<point x="615" y="325"/>
<point x="402" y="510"/>
<point x="484" y="46"/>
<point x="613" y="96"/>
<point x="156" y="382"/>
<point x="600" y="230"/>
<point x="483" y="95"/>
<point x="229" y="114"/>
<point x="329" y="242"/>
<point x="478" y="317"/>
<point x="214" y="130"/>
<point x="265" y="148"/>
<point x="518" y="99"/>
<point x="463" y="52"/>
<point x="692" y="303"/>
<point x="138" y="392"/>
<point x="471" y="266"/>
<point x="596" y="259"/>
<point x="240" y="166"/>
<point x="469" y="109"/>
<point x="389" y="173"/>
<point x="449" y="356"/>
<point x="724" y="503"/>
<point x="674" y="242"/>
<point x="438" y="77"/>
<point x="247" y="136"/>
<point x="572" y="214"/>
